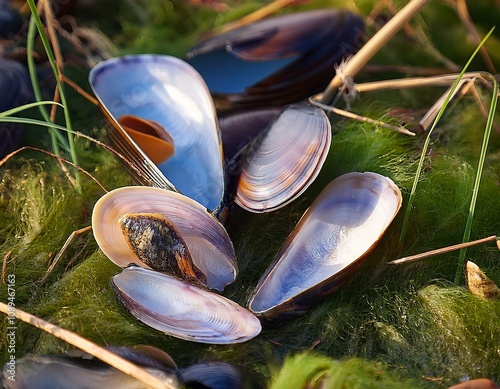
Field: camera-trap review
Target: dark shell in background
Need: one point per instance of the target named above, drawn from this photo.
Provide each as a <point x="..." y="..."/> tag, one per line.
<point x="82" y="371"/>
<point x="278" y="60"/>
<point x="219" y="375"/>
<point x="15" y="90"/>
<point x="10" y="20"/>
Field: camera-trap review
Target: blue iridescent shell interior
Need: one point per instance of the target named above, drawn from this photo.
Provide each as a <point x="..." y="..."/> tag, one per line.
<point x="169" y="91"/>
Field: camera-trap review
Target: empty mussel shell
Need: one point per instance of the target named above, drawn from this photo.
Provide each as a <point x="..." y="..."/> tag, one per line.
<point x="207" y="241"/>
<point x="183" y="310"/>
<point x="170" y="92"/>
<point x="81" y="372"/>
<point x="280" y="164"/>
<point x="276" y="61"/>
<point x="331" y="240"/>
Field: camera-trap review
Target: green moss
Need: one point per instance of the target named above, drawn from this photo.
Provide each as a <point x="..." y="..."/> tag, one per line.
<point x="388" y="326"/>
<point x="315" y="371"/>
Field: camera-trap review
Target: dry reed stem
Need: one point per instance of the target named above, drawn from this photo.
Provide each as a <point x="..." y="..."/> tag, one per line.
<point x="365" y="119"/>
<point x="416" y="82"/>
<point x="261" y="13"/>
<point x="443" y="250"/>
<point x="62" y="251"/>
<point x="464" y="15"/>
<point x="89" y="347"/>
<point x="79" y="90"/>
<point x="361" y="58"/>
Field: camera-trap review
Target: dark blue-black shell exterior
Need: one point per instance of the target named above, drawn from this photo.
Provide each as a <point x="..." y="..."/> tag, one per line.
<point x="278" y="60"/>
<point x="15" y="90"/>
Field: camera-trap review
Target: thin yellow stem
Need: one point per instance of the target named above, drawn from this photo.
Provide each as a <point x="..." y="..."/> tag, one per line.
<point x="261" y="13"/>
<point x="443" y="250"/>
<point x="361" y="58"/>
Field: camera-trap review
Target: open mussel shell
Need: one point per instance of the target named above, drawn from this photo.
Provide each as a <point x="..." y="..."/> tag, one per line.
<point x="183" y="310"/>
<point x="208" y="243"/>
<point x="278" y="60"/>
<point x="280" y="164"/>
<point x="82" y="371"/>
<point x="331" y="240"/>
<point x="170" y="92"/>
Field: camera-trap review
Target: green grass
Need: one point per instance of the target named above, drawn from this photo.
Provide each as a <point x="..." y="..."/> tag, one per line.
<point x="388" y="326"/>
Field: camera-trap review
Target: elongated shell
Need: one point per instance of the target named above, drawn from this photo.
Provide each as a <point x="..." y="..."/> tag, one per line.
<point x="63" y="372"/>
<point x="183" y="310"/>
<point x="277" y="60"/>
<point x="170" y="92"/>
<point x="208" y="242"/>
<point x="285" y="159"/>
<point x="331" y="240"/>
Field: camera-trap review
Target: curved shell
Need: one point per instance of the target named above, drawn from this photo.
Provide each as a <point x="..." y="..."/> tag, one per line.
<point x="183" y="310"/>
<point x="285" y="159"/>
<point x="170" y="92"/>
<point x="16" y="90"/>
<point x="285" y="58"/>
<point x="207" y="240"/>
<point x="153" y="139"/>
<point x="331" y="240"/>
<point x="77" y="372"/>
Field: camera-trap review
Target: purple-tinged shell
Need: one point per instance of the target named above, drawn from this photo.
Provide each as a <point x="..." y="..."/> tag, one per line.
<point x="183" y="310"/>
<point x="331" y="241"/>
<point x="206" y="239"/>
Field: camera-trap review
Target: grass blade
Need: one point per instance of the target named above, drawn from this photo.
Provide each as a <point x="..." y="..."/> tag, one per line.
<point x="477" y="182"/>
<point x="427" y="140"/>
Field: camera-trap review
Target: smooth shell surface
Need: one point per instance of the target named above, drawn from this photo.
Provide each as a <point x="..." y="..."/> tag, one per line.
<point x="284" y="160"/>
<point x="331" y="240"/>
<point x="208" y="242"/>
<point x="170" y="92"/>
<point x="183" y="310"/>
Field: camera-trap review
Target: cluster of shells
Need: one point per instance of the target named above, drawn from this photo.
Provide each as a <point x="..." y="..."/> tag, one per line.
<point x="169" y="236"/>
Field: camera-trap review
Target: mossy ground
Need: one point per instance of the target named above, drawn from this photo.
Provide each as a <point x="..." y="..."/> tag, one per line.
<point x="388" y="326"/>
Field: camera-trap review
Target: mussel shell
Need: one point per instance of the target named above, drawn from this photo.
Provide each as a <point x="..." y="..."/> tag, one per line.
<point x="77" y="372"/>
<point x="15" y="90"/>
<point x="285" y="159"/>
<point x="239" y="128"/>
<point x="183" y="310"/>
<point x="219" y="375"/>
<point x="169" y="91"/>
<point x="208" y="242"/>
<point x="332" y="239"/>
<point x="276" y="61"/>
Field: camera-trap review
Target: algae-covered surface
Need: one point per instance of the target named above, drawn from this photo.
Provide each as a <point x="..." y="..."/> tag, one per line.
<point x="412" y="325"/>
